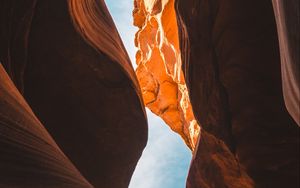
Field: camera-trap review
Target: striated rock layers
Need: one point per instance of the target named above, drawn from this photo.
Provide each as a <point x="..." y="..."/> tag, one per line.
<point x="72" y="113"/>
<point x="28" y="155"/>
<point x="287" y="16"/>
<point x="159" y="67"/>
<point x="231" y="63"/>
<point x="67" y="60"/>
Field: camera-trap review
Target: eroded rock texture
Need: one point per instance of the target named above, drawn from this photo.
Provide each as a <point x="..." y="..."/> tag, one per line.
<point x="159" y="67"/>
<point x="67" y="59"/>
<point x="232" y="69"/>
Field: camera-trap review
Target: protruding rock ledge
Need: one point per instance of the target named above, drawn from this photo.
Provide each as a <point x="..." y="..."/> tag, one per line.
<point x="159" y="67"/>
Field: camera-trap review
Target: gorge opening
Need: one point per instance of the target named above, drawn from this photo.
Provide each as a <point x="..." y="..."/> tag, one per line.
<point x="166" y="159"/>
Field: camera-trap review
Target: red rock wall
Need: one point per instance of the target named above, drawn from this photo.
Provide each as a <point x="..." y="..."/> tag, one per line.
<point x="67" y="60"/>
<point x="77" y="78"/>
<point x="29" y="157"/>
<point x="230" y="60"/>
<point x="288" y="26"/>
<point x="232" y="66"/>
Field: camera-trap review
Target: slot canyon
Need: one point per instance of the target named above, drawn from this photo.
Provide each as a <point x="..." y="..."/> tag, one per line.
<point x="223" y="75"/>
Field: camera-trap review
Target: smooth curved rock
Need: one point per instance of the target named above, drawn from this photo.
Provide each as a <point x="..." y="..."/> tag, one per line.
<point x="214" y="165"/>
<point x="288" y="26"/>
<point x="15" y="22"/>
<point x="231" y="63"/>
<point x="28" y="155"/>
<point x="67" y="59"/>
<point x="78" y="80"/>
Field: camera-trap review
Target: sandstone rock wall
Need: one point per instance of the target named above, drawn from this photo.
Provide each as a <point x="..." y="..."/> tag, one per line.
<point x="287" y="16"/>
<point x="72" y="112"/>
<point x="67" y="59"/>
<point x="159" y="67"/>
<point x="29" y="157"/>
<point x="232" y="66"/>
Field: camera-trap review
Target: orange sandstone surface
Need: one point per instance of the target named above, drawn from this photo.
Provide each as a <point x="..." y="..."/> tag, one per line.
<point x="159" y="67"/>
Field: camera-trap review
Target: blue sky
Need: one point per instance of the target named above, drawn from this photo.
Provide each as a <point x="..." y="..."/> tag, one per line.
<point x="165" y="160"/>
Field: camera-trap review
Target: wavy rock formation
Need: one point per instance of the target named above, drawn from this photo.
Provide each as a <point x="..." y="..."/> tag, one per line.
<point x="232" y="66"/>
<point x="29" y="157"/>
<point x="72" y="112"/>
<point x="287" y="16"/>
<point x="159" y="67"/>
<point x="67" y="59"/>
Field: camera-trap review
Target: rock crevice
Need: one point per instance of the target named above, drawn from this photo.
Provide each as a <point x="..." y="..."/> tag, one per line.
<point x="159" y="67"/>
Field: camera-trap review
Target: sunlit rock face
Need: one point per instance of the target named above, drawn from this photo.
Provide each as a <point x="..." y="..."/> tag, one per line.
<point x="159" y="67"/>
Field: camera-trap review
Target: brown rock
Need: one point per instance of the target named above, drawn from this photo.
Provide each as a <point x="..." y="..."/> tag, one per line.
<point x="231" y="61"/>
<point x="214" y="165"/>
<point x="68" y="61"/>
<point x="79" y="81"/>
<point x="288" y="26"/>
<point x="29" y="157"/>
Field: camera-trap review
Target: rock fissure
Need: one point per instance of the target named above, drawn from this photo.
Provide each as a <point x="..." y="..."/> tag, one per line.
<point x="159" y="57"/>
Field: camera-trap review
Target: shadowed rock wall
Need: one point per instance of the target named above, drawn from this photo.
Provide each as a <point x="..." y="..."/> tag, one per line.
<point x="70" y="64"/>
<point x="67" y="60"/>
<point x="232" y="69"/>
<point x="287" y="16"/>
<point x="28" y="155"/>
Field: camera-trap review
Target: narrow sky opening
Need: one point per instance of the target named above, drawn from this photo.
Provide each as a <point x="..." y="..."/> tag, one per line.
<point x="165" y="160"/>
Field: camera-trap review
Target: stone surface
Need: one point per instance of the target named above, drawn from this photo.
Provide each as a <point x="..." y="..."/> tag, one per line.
<point x="159" y="67"/>
<point x="215" y="166"/>
<point x="68" y="61"/>
<point x="29" y="157"/>
<point x="288" y="26"/>
<point x="232" y="66"/>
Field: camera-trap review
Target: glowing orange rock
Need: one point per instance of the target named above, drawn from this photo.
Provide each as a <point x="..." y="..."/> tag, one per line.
<point x="159" y="67"/>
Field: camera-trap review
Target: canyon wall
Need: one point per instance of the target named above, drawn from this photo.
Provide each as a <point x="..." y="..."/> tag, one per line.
<point x="29" y="157"/>
<point x="231" y="63"/>
<point x="68" y="61"/>
<point x="72" y="112"/>
<point x="287" y="16"/>
<point x="159" y="67"/>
